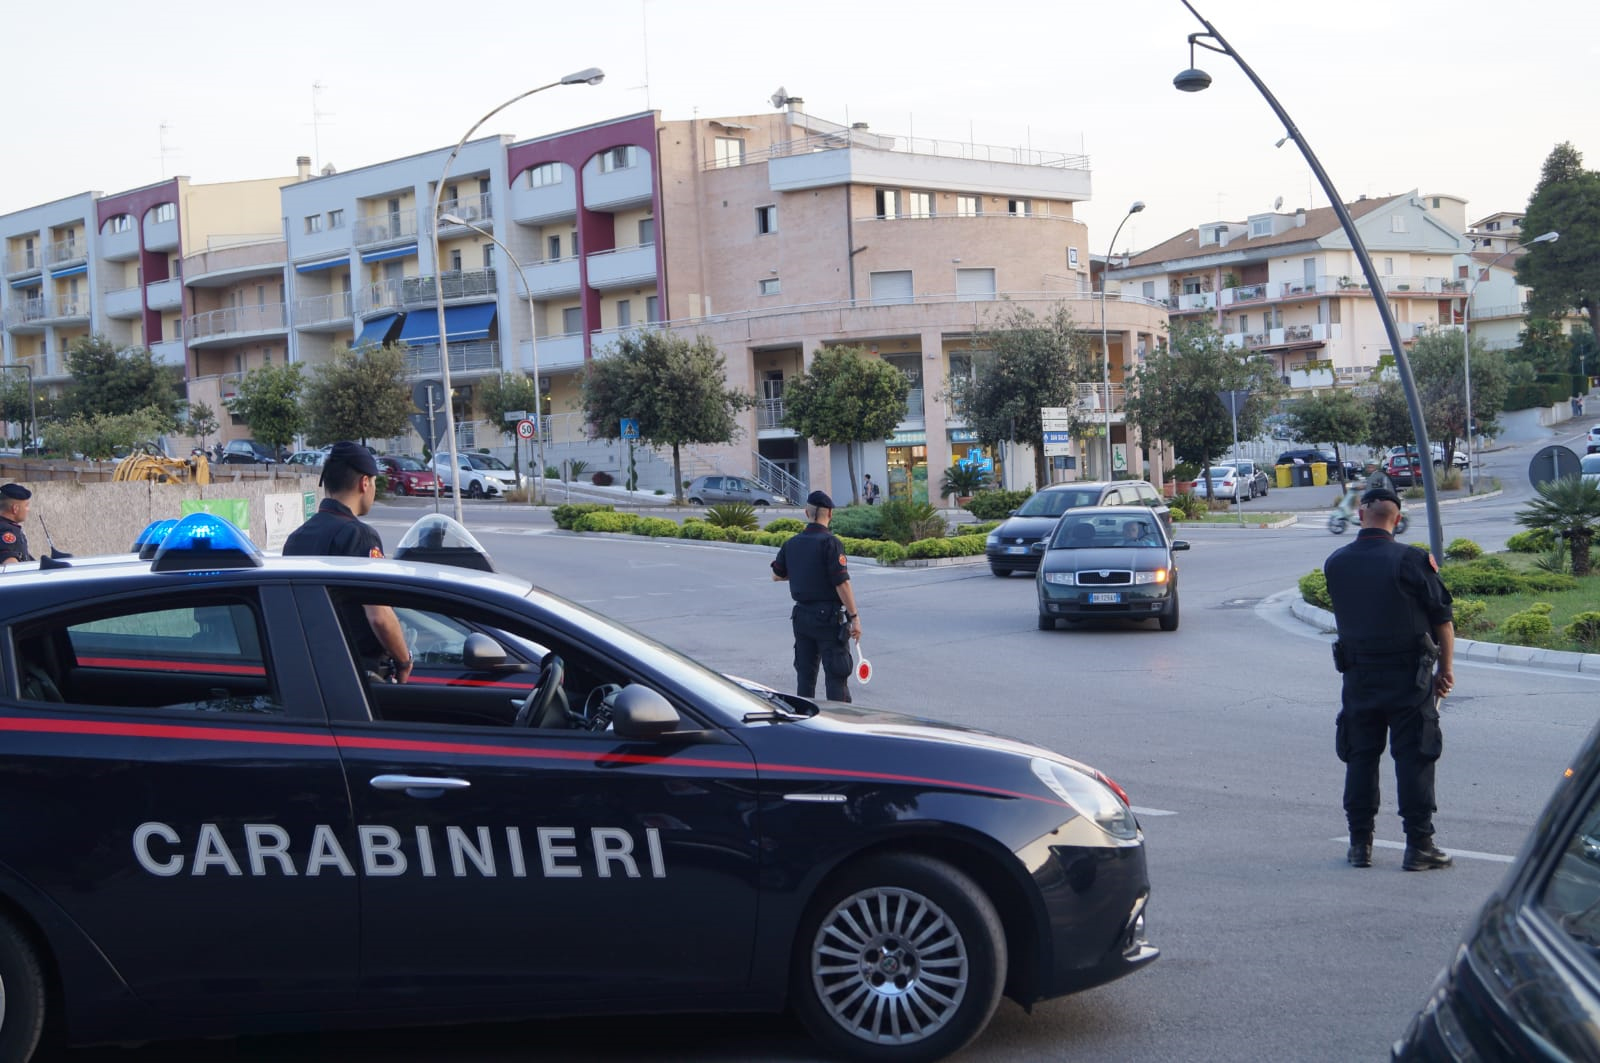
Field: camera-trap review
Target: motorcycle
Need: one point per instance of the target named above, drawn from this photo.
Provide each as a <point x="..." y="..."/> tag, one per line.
<point x="1338" y="521"/>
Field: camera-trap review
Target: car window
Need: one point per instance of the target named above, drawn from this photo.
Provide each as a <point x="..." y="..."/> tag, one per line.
<point x="1589" y="463"/>
<point x="1055" y="503"/>
<point x="487" y="461"/>
<point x="733" y="483"/>
<point x="1571" y="896"/>
<point x="202" y="656"/>
<point x="407" y="464"/>
<point x="712" y="483"/>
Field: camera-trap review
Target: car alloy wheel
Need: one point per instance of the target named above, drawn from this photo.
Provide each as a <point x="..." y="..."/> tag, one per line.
<point x="903" y="959"/>
<point x="474" y="490"/>
<point x="22" y="994"/>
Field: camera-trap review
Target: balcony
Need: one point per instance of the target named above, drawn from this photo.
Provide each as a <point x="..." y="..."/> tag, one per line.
<point x="376" y="229"/>
<point x="623" y="267"/>
<point x="28" y="315"/>
<point x="478" y="209"/>
<point x="65" y="309"/>
<point x="464" y="358"/>
<point x="406" y="292"/>
<point x="620" y="189"/>
<point x="119" y="245"/>
<point x="548" y="203"/>
<point x="1287" y="336"/>
<point x="124" y="302"/>
<point x="556" y="353"/>
<point x="1091" y="399"/>
<point x="65" y="253"/>
<point x="225" y="265"/>
<point x="21" y="262"/>
<point x="1424" y="287"/>
<point x="769" y="414"/>
<point x="168" y="352"/>
<point x="323" y="313"/>
<point x="554" y="276"/>
<point x="235" y="323"/>
<point x="1192" y="302"/>
<point x="165" y="295"/>
<point x="161" y="236"/>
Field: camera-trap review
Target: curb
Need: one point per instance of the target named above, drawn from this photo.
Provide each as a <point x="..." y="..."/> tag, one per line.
<point x="1469" y="650"/>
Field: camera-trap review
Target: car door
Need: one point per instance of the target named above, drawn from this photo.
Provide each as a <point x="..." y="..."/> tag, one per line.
<point x="514" y="867"/>
<point x="736" y="490"/>
<point x="172" y="786"/>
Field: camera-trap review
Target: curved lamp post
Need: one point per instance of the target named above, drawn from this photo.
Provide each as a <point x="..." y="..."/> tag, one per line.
<point x="1466" y="339"/>
<point x="589" y="76"/>
<point x="1196" y="80"/>
<point x="1105" y="340"/>
<point x="533" y="338"/>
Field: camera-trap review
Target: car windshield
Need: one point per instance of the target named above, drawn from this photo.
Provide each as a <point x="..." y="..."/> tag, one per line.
<point x="1219" y="472"/>
<point x="1055" y="503"/>
<point x="1590" y="463"/>
<point x="486" y="461"/>
<point x="1104" y="533"/>
<point x="405" y="464"/>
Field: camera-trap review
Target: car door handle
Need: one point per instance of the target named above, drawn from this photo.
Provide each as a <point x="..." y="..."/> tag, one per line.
<point x="418" y="785"/>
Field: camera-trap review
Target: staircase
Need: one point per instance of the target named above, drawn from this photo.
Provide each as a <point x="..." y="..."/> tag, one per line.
<point x="775" y="479"/>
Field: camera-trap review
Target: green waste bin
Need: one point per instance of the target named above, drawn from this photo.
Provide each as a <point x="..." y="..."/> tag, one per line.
<point x="1319" y="474"/>
<point x="1285" y="474"/>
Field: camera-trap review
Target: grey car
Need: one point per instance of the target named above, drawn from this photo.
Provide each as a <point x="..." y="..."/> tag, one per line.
<point x="1018" y="543"/>
<point x="1255" y="476"/>
<point x="1109" y="563"/>
<point x="715" y="490"/>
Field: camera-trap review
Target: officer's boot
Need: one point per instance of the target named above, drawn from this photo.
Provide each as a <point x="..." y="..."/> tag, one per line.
<point x="1360" y="854"/>
<point x="1423" y="855"/>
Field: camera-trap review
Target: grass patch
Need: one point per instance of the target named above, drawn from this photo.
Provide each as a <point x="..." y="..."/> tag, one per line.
<point x="1233" y="518"/>
<point x="1565" y="606"/>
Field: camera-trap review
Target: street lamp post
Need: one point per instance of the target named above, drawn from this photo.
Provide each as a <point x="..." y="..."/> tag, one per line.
<point x="1105" y="337"/>
<point x="590" y="76"/>
<point x="1466" y="341"/>
<point x="1196" y="80"/>
<point x="533" y="338"/>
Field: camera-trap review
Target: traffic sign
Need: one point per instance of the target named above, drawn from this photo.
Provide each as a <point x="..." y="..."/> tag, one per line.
<point x="525" y="429"/>
<point x="1553" y="463"/>
<point x="516" y="415"/>
<point x="630" y="428"/>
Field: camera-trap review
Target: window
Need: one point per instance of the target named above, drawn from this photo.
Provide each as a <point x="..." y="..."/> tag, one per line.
<point x="891" y="286"/>
<point x="624" y="313"/>
<point x="488" y="256"/>
<point x="544" y="175"/>
<point x="614" y="159"/>
<point x="1397" y="223"/>
<point x="1072" y="258"/>
<point x="1019" y="208"/>
<point x="769" y="286"/>
<point x="1435" y="202"/>
<point x="1244" y="322"/>
<point x="1388" y="267"/>
<point x="766" y="220"/>
<point x="266" y="356"/>
<point x="166" y="212"/>
<point x="888" y="203"/>
<point x="552" y="248"/>
<point x="727" y="151"/>
<point x="572" y="320"/>
<point x="1571" y="895"/>
<point x="652" y="308"/>
<point x="336" y="219"/>
<point x="1260" y="226"/>
<point x="974" y="284"/>
<point x="455" y="260"/>
<point x="203" y="656"/>
<point x="313" y="223"/>
<point x="1147" y="289"/>
<point x="122" y="223"/>
<point x="919" y="204"/>
<point x="647" y="231"/>
<point x="969" y="206"/>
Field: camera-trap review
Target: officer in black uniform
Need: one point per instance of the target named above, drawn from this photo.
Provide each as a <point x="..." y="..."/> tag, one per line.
<point x="350" y="476"/>
<point x="824" y="614"/>
<point x="13" y="512"/>
<point x="1396" y="650"/>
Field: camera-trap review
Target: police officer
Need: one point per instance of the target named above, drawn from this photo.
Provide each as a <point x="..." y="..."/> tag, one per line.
<point x="350" y="477"/>
<point x="13" y="512"/>
<point x="824" y="616"/>
<point x="1396" y="650"/>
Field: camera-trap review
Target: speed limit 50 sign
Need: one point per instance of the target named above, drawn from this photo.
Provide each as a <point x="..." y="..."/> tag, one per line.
<point x="524" y="429"/>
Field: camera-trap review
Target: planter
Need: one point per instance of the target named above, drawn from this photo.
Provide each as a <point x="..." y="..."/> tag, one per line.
<point x="1186" y="486"/>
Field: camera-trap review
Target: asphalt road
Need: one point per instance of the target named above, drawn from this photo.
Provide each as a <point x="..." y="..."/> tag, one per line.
<point x="1221" y="732"/>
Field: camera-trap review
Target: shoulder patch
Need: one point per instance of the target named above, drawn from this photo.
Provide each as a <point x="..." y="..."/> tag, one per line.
<point x="8" y="537"/>
<point x="844" y="558"/>
<point x="376" y="551"/>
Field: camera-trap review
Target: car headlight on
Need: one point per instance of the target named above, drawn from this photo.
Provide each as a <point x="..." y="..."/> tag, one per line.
<point x="1158" y="576"/>
<point x="992" y="539"/>
<point x="1088" y="796"/>
<point x="1065" y="579"/>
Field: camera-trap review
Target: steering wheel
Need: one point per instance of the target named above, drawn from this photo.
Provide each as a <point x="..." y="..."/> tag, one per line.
<point x="546" y="704"/>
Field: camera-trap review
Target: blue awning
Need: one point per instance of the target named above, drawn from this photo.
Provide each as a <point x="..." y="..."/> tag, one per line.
<point x="389" y="252"/>
<point x="328" y="263"/>
<point x="70" y="271"/>
<point x="377" y="330"/>
<point x="462" y="323"/>
<point x="26" y="282"/>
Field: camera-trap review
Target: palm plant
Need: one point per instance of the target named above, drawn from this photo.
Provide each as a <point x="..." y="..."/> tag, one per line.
<point x="963" y="481"/>
<point x="1570" y="507"/>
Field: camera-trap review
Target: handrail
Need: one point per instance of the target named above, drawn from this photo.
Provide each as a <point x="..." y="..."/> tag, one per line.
<point x="842" y="137"/>
<point x="777" y="480"/>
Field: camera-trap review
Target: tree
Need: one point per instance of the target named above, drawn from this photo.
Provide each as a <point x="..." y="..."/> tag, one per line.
<point x="359" y="394"/>
<point x="100" y="436"/>
<point x="1174" y="396"/>
<point x="269" y="402"/>
<point x="1566" y="273"/>
<point x="1544" y="346"/>
<point x="675" y="389"/>
<point x="1569" y="506"/>
<point x="505" y="394"/>
<point x="1390" y="423"/>
<point x="106" y="380"/>
<point x="846" y="397"/>
<point x="200" y="421"/>
<point x="18" y="402"/>
<point x="1437" y="366"/>
<point x="1341" y="418"/>
<point x="1022" y="363"/>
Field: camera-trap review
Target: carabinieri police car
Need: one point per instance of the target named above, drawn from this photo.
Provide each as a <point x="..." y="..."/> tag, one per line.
<point x="219" y="821"/>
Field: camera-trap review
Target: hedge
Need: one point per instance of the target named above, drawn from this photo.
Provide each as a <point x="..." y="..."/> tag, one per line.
<point x="1314" y="589"/>
<point x="995" y="505"/>
<point x="785" y="524"/>
<point x="567" y="515"/>
<point x="1533" y="541"/>
<point x="659" y="527"/>
<point x="605" y="522"/>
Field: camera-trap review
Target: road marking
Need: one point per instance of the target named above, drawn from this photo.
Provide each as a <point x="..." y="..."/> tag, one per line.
<point x="1465" y="854"/>
<point x="1138" y="811"/>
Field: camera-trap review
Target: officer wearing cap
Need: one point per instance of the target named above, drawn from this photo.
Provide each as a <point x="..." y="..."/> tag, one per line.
<point x="350" y="477"/>
<point x="13" y="512"/>
<point x="824" y="615"/>
<point x="1396" y="650"/>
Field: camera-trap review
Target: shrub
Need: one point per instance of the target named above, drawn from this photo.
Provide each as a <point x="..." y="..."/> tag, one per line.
<point x="605" y="522"/>
<point x="995" y="505"/>
<point x="1533" y="541"/>
<point x="552" y="472"/>
<point x="1554" y="559"/>
<point x="1186" y="470"/>
<point x="1531" y="627"/>
<point x="1189" y="503"/>
<point x="1486" y="575"/>
<point x="889" y="553"/>
<point x="732" y="515"/>
<point x="983" y="528"/>
<point x="577" y="467"/>
<point x="1548" y="582"/>
<point x="1314" y="589"/>
<point x="896" y="518"/>
<point x="1414" y="491"/>
<point x="775" y="538"/>
<point x="1449" y="479"/>
<point x="1585" y="630"/>
<point x="1472" y="617"/>
<point x="659" y="527"/>
<point x="858" y="522"/>
<point x="963" y="481"/>
<point x="785" y="524"/>
<point x="567" y="515"/>
<point x="1463" y="550"/>
<point x="601" y="479"/>
<point x="923" y="548"/>
<point x="966" y="545"/>
<point x="702" y="531"/>
<point x="860" y="547"/>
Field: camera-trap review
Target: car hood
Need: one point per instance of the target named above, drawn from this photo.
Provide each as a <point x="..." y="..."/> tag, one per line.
<point x="1026" y="527"/>
<point x="1120" y="557"/>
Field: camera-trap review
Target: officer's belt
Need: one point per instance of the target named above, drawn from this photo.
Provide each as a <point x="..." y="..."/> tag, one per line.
<point x="1406" y="658"/>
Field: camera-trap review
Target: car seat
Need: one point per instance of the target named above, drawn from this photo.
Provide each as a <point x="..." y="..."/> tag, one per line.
<point x="1082" y="534"/>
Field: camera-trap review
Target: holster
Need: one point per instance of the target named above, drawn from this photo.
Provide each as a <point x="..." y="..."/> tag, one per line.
<point x="1341" y="663"/>
<point x="1427" y="657"/>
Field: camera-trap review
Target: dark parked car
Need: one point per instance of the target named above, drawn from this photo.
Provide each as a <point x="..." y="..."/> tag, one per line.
<point x="1255" y="476"/>
<point x="248" y="452"/>
<point x="1018" y="543"/>
<point x="1109" y="563"/>
<point x="1525" y="981"/>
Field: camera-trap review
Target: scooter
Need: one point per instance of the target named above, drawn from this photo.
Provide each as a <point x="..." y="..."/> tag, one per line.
<point x="1338" y="520"/>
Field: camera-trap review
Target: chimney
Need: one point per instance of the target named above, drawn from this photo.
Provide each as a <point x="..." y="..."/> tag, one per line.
<point x="303" y="165"/>
<point x="1300" y="217"/>
<point x="793" y="103"/>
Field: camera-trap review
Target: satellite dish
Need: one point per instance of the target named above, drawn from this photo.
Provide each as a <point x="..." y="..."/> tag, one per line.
<point x="1277" y="204"/>
<point x="780" y="97"/>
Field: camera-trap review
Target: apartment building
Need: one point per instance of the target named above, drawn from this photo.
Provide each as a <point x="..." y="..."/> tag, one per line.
<point x="1288" y="285"/>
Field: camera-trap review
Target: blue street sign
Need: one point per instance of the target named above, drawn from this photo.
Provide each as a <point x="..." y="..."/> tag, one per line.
<point x="630" y="428"/>
<point x="1058" y="437"/>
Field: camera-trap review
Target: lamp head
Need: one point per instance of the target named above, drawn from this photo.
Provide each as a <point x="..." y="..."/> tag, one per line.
<point x="1546" y="238"/>
<point x="588" y="76"/>
<point x="1138" y="205"/>
<point x="452" y="219"/>
<point x="1192" y="80"/>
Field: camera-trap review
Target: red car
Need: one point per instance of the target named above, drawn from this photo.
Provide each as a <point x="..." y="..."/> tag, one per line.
<point x="1404" y="469"/>
<point x="407" y="475"/>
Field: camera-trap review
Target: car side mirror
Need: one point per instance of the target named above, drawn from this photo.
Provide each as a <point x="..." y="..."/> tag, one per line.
<point x="480" y="653"/>
<point x="637" y="712"/>
<point x="1013" y="513"/>
<point x="1180" y="544"/>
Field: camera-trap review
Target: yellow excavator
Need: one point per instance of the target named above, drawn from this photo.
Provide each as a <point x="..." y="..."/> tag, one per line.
<point x="162" y="469"/>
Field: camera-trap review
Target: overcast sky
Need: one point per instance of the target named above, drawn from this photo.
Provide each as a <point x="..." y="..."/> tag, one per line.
<point x="1460" y="98"/>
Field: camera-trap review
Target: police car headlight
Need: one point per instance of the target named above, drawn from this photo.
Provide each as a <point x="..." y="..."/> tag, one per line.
<point x="1158" y="576"/>
<point x="1089" y="797"/>
<point x="992" y="539"/>
<point x="1065" y="579"/>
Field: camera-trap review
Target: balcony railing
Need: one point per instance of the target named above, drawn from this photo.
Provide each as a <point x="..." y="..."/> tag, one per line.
<point x="381" y="228"/>
<point x="317" y="309"/>
<point x="464" y="357"/>
<point x="769" y="413"/>
<point x="232" y="320"/>
<point x="477" y="209"/>
<point x="1091" y="399"/>
<point x="401" y="292"/>
<point x="23" y="311"/>
<point x="842" y="137"/>
<point x="63" y="251"/>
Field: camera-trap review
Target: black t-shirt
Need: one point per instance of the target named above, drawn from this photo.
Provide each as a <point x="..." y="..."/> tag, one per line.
<point x="1384" y="593"/>
<point x="334" y="531"/>
<point x="814" y="564"/>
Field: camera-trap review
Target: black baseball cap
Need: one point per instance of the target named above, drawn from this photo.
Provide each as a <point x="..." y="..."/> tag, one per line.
<point x="1380" y="494"/>
<point x="819" y="498"/>
<point x="352" y="455"/>
<point x="16" y="491"/>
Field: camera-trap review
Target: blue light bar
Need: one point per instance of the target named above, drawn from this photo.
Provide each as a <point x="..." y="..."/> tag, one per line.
<point x="148" y="540"/>
<point x="204" y="542"/>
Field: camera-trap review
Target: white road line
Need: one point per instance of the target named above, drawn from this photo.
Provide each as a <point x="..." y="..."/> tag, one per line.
<point x="1465" y="854"/>
<point x="1138" y="811"/>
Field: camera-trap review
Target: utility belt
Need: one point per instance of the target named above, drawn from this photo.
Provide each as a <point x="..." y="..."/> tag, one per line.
<point x="1421" y="656"/>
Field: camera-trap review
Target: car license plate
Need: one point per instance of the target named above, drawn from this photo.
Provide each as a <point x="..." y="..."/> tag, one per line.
<point x="1105" y="598"/>
<point x="1016" y="549"/>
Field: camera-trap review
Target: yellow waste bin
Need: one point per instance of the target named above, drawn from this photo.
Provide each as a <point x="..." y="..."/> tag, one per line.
<point x="1319" y="474"/>
<point x="1285" y="475"/>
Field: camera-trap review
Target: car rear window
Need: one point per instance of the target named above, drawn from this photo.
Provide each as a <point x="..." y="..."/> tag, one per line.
<point x="1055" y="503"/>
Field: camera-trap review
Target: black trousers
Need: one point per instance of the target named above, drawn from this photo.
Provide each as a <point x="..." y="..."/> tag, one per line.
<point x="821" y="636"/>
<point x="1379" y="704"/>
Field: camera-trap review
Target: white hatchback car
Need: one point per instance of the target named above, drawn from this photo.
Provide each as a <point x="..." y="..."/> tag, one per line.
<point x="1589" y="467"/>
<point x="1225" y="483"/>
<point x="482" y="475"/>
<point x="1594" y="439"/>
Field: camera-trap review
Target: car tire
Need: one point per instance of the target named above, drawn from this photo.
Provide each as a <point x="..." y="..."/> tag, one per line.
<point x="398" y="488"/>
<point x="474" y="490"/>
<point x="1047" y="622"/>
<point x="22" y="980"/>
<point x="1169" y="619"/>
<point x="1001" y="572"/>
<point x="693" y="501"/>
<point x="761" y="502"/>
<point x="873" y="929"/>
